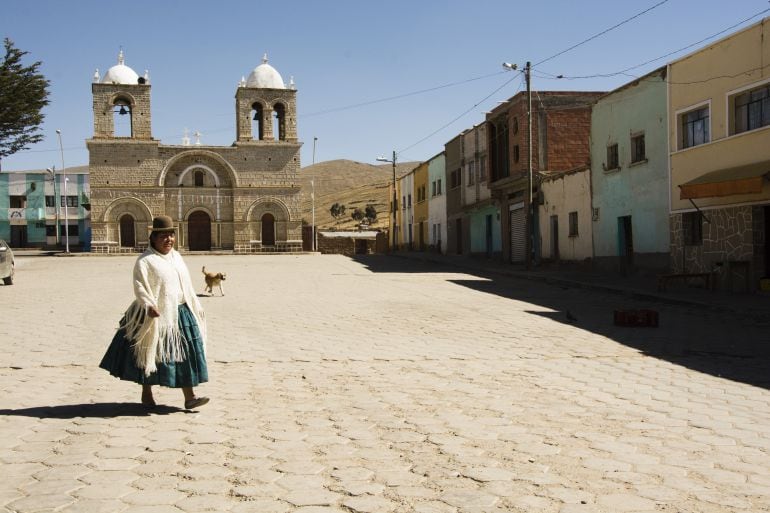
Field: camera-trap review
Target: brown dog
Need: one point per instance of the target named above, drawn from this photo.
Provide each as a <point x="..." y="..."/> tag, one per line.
<point x="212" y="280"/>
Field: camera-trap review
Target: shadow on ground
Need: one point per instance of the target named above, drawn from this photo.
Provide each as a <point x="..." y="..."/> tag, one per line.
<point x="99" y="410"/>
<point x="719" y="344"/>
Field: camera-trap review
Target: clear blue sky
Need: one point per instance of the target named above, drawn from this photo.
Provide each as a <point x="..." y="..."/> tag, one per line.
<point x="342" y="54"/>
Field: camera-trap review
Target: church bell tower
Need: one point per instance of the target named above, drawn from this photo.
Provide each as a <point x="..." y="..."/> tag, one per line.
<point x="121" y="103"/>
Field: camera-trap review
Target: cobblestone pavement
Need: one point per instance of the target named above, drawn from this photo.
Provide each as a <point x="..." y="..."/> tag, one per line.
<point x="379" y="386"/>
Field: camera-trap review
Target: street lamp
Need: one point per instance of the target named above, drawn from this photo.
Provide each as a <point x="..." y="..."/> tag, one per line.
<point x="66" y="217"/>
<point x="393" y="228"/>
<point x="312" y="196"/>
<point x="52" y="171"/>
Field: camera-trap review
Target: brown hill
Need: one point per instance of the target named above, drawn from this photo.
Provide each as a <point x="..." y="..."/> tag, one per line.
<point x="353" y="184"/>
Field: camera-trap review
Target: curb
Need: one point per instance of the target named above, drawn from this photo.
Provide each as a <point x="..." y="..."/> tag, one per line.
<point x="632" y="293"/>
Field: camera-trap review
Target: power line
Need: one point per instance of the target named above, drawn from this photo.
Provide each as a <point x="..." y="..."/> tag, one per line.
<point x="54" y="149"/>
<point x="372" y="102"/>
<point x="398" y="97"/>
<point x="704" y="80"/>
<point x="541" y="62"/>
<point x="461" y="115"/>
<point x="625" y="71"/>
<point x="601" y="33"/>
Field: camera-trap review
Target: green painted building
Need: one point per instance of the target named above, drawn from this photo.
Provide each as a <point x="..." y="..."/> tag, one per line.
<point x="33" y="205"/>
<point x="629" y="176"/>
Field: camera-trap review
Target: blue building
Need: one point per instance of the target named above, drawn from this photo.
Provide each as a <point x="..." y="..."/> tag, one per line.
<point x="40" y="208"/>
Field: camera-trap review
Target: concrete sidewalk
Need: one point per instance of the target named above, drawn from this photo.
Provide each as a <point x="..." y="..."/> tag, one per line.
<point x="755" y="306"/>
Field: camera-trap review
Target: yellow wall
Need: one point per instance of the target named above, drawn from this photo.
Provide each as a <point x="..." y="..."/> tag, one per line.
<point x="399" y="234"/>
<point x="713" y="75"/>
<point x="421" y="208"/>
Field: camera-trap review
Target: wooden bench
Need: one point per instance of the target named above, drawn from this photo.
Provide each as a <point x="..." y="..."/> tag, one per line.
<point x="663" y="279"/>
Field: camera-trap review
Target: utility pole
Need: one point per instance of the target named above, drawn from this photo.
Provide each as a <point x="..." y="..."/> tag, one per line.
<point x="530" y="213"/>
<point x="530" y="204"/>
<point x="395" y="199"/>
<point x="393" y="247"/>
<point x="66" y="217"/>
<point x="312" y="195"/>
<point x="52" y="171"/>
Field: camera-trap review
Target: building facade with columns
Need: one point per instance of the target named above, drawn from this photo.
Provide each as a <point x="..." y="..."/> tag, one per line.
<point x="243" y="198"/>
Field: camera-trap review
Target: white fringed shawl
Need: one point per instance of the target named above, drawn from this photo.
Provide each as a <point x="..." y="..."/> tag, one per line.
<point x="159" y="281"/>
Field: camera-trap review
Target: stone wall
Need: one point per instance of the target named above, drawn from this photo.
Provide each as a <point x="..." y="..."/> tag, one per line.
<point x="351" y="245"/>
<point x="243" y="186"/>
<point x="137" y="96"/>
<point x="733" y="245"/>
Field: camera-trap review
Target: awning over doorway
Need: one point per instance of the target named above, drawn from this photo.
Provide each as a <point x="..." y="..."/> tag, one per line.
<point x="726" y="182"/>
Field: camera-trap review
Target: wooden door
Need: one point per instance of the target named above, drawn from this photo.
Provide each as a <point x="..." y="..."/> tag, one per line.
<point x="199" y="231"/>
<point x="127" y="231"/>
<point x="268" y="230"/>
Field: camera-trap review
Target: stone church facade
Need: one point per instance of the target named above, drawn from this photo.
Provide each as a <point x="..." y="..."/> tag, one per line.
<point x="243" y="198"/>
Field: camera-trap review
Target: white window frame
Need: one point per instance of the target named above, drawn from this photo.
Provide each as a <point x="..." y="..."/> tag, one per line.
<point x="730" y="107"/>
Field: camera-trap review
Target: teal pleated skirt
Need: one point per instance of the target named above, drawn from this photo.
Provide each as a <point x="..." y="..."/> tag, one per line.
<point x="119" y="358"/>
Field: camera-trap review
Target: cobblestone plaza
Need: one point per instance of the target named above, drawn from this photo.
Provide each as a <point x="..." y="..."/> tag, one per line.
<point x="379" y="385"/>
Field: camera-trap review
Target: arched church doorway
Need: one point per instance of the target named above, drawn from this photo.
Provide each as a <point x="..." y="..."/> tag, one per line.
<point x="199" y="231"/>
<point x="268" y="230"/>
<point x="127" y="231"/>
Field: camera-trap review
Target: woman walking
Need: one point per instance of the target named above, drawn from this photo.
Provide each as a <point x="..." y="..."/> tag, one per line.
<point x="161" y="338"/>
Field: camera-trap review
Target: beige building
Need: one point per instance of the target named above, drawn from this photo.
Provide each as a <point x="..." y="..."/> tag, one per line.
<point x="421" y="225"/>
<point x="719" y="133"/>
<point x="565" y="216"/>
<point x="244" y="198"/>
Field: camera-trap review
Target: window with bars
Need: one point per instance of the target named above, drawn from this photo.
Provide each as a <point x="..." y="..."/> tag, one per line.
<point x="69" y="201"/>
<point x="637" y="149"/>
<point x="612" y="157"/>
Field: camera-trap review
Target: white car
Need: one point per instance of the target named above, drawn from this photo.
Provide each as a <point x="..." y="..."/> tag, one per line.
<point x="6" y="263"/>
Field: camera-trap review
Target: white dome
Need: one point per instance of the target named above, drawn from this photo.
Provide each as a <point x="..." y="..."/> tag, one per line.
<point x="120" y="73"/>
<point x="265" y="76"/>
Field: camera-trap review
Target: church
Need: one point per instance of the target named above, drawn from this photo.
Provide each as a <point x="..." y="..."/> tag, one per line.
<point x="243" y="198"/>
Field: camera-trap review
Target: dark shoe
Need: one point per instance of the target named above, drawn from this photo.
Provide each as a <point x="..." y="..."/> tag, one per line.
<point x="195" y="402"/>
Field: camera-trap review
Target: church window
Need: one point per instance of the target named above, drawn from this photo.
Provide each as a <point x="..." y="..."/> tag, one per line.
<point x="279" y="122"/>
<point x="122" y="118"/>
<point x="257" y="118"/>
<point x="198" y="177"/>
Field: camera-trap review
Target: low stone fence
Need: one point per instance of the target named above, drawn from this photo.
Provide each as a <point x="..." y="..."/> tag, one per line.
<point x="362" y="242"/>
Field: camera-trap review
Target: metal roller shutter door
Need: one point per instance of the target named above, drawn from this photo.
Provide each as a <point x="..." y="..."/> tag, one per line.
<point x="518" y="220"/>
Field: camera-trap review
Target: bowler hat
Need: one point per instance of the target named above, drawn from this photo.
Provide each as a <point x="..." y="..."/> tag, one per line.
<point x="162" y="224"/>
